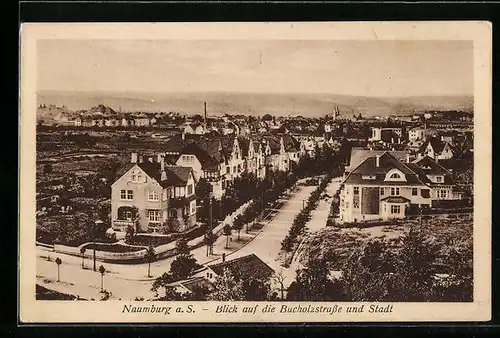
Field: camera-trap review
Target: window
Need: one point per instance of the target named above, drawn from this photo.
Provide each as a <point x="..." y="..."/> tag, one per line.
<point x="395" y="209"/>
<point x="355" y="202"/>
<point x="136" y="176"/>
<point x="382" y="191"/>
<point x="368" y="177"/>
<point x="228" y="169"/>
<point x="414" y="191"/>
<point x="356" y="190"/>
<point x="154" y="216"/>
<point x="192" y="207"/>
<point x="442" y="194"/>
<point x="394" y="191"/>
<point x="127" y="194"/>
<point x="395" y="175"/>
<point x="234" y="169"/>
<point x="173" y="213"/>
<point x="223" y="185"/>
<point x="439" y="179"/>
<point x="190" y="190"/>
<point x="153" y="196"/>
<point x="425" y="193"/>
<point x="165" y="194"/>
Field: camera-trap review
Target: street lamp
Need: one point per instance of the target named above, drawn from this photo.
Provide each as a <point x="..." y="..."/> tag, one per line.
<point x="102" y="270"/>
<point x="58" y="262"/>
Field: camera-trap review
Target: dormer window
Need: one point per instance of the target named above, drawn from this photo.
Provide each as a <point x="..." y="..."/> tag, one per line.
<point x="395" y="175"/>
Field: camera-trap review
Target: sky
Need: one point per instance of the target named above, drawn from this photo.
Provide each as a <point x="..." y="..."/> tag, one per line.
<point x="360" y="68"/>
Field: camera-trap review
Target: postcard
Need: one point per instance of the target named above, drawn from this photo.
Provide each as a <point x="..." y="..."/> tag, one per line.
<point x="255" y="172"/>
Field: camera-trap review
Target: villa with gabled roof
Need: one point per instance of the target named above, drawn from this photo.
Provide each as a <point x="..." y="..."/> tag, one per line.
<point x="158" y="191"/>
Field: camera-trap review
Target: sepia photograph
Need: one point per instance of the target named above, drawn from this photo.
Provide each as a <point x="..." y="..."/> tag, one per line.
<point x="306" y="173"/>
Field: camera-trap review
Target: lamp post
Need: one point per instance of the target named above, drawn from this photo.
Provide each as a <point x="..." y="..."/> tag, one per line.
<point x="58" y="262"/>
<point x="102" y="270"/>
<point x="94" y="240"/>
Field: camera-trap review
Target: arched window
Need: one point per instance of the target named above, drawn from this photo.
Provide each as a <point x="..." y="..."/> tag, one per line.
<point x="125" y="213"/>
<point x="395" y="175"/>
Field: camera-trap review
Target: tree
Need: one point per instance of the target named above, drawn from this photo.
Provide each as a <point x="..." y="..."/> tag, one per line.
<point x="267" y="117"/>
<point x="136" y="216"/>
<point x="227" y="288"/>
<point x="369" y="274"/>
<point x="102" y="270"/>
<point x="313" y="284"/>
<point x="171" y="224"/>
<point x="182" y="246"/>
<point x="104" y="213"/>
<point x="130" y="232"/>
<point x="227" y="232"/>
<point x="58" y="262"/>
<point x="82" y="251"/>
<point x="238" y="224"/>
<point x="255" y="289"/>
<point x="279" y="278"/>
<point x="203" y="190"/>
<point x="209" y="241"/>
<point x="181" y="268"/>
<point x="150" y="256"/>
<point x="458" y="285"/>
<point x="416" y="266"/>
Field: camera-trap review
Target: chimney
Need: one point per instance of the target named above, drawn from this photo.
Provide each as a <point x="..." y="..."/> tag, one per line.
<point x="377" y="160"/>
<point x="140" y="158"/>
<point x="407" y="158"/>
<point x="150" y="159"/>
<point x="183" y="136"/>
<point x="223" y="257"/>
<point x="162" y="163"/>
<point x="133" y="158"/>
<point x="205" y="117"/>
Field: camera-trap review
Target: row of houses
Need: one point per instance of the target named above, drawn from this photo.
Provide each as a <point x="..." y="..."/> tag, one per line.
<point x="381" y="185"/>
<point x="161" y="187"/>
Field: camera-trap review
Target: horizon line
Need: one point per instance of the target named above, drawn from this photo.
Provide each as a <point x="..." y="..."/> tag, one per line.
<point x="244" y="92"/>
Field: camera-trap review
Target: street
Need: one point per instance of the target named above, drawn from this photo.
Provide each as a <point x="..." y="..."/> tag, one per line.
<point x="128" y="281"/>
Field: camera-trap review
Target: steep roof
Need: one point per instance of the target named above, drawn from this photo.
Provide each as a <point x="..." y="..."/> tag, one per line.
<point x="387" y="162"/>
<point x="176" y="175"/>
<point x="244" y="144"/>
<point x="206" y="152"/>
<point x="435" y="143"/>
<point x="358" y="155"/>
<point x="246" y="267"/>
<point x="291" y="143"/>
<point x="430" y="167"/>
